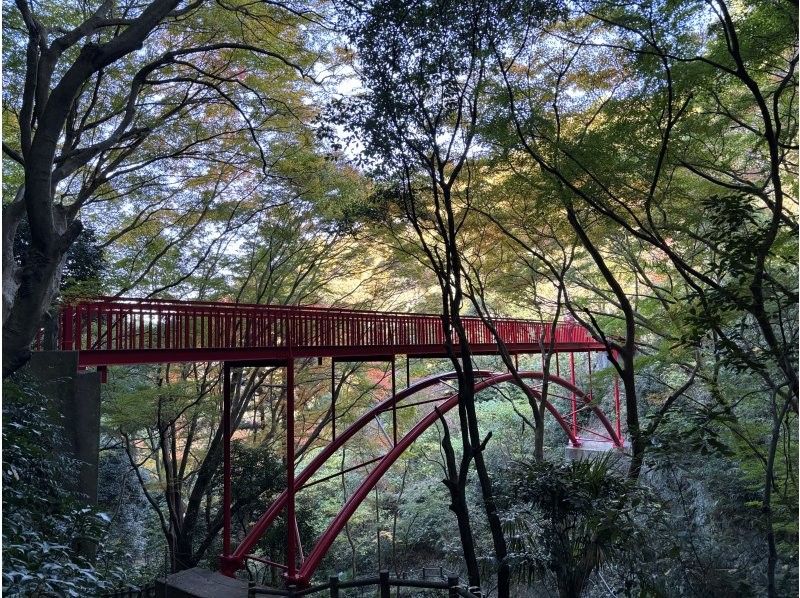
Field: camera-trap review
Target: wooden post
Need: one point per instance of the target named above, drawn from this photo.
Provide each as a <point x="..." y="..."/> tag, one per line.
<point x="452" y="585"/>
<point x="333" y="582"/>
<point x="384" y="584"/>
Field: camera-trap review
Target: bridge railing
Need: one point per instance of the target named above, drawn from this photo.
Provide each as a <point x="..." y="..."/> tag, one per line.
<point x="132" y="324"/>
<point x="384" y="583"/>
<point x="147" y="591"/>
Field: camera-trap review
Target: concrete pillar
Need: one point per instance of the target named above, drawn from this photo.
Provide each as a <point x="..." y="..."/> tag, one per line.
<point x="600" y="360"/>
<point x="85" y="430"/>
<point x="594" y="449"/>
<point x="75" y="397"/>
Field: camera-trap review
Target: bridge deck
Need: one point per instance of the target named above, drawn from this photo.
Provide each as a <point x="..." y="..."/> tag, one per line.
<point x="115" y="331"/>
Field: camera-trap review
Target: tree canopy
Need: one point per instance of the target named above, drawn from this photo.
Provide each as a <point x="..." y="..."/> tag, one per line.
<point x="629" y="166"/>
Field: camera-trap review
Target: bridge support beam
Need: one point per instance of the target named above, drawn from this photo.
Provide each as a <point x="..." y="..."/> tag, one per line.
<point x="229" y="565"/>
<point x="226" y="459"/>
<point x="574" y="398"/>
<point x="394" y="405"/>
<point x="291" y="519"/>
<point x="616" y="407"/>
<point x="333" y="399"/>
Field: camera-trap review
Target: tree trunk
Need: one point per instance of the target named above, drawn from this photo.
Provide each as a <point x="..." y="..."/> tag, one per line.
<point x="456" y="484"/>
<point x="538" y="445"/>
<point x="638" y="445"/>
<point x="766" y="505"/>
<point x="39" y="282"/>
<point x="467" y="395"/>
<point x="12" y="215"/>
<point x="459" y="507"/>
<point x="184" y="555"/>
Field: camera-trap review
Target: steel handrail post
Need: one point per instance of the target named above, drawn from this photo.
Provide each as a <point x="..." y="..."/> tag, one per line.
<point x="66" y="328"/>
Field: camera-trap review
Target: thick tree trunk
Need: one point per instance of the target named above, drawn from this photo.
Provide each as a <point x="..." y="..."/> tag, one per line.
<point x="32" y="285"/>
<point x="29" y="290"/>
<point x="12" y="215"/>
<point x="459" y="507"/>
<point x="184" y="557"/>
<point x="495" y="526"/>
<point x="538" y="432"/>
<point x="39" y="282"/>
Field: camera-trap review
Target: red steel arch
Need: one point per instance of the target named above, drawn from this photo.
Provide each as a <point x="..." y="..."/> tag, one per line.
<point x="235" y="561"/>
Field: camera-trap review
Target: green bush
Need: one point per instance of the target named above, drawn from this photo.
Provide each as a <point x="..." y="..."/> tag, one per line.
<point x="568" y="520"/>
<point x="43" y="520"/>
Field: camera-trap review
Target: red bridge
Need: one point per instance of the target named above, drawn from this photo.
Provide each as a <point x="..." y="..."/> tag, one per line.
<point x="116" y="331"/>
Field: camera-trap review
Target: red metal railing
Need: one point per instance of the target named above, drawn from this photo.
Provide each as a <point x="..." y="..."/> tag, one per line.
<point x="134" y="325"/>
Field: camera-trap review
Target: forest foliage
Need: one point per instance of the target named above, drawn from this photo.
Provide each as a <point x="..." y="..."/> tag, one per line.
<point x="630" y="166"/>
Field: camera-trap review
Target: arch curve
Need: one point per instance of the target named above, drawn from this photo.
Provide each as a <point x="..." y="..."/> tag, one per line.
<point x="229" y="565"/>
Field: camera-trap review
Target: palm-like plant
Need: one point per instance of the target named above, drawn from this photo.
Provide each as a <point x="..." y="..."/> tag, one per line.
<point x="570" y="519"/>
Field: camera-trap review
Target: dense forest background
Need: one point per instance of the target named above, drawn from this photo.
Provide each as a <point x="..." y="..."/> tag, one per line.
<point x="631" y="166"/>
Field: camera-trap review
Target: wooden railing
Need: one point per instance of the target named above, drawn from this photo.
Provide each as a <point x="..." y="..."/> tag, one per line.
<point x="433" y="579"/>
<point x="148" y="591"/>
<point x="384" y="583"/>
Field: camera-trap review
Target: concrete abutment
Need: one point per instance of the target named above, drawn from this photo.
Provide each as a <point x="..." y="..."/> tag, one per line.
<point x="75" y="397"/>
